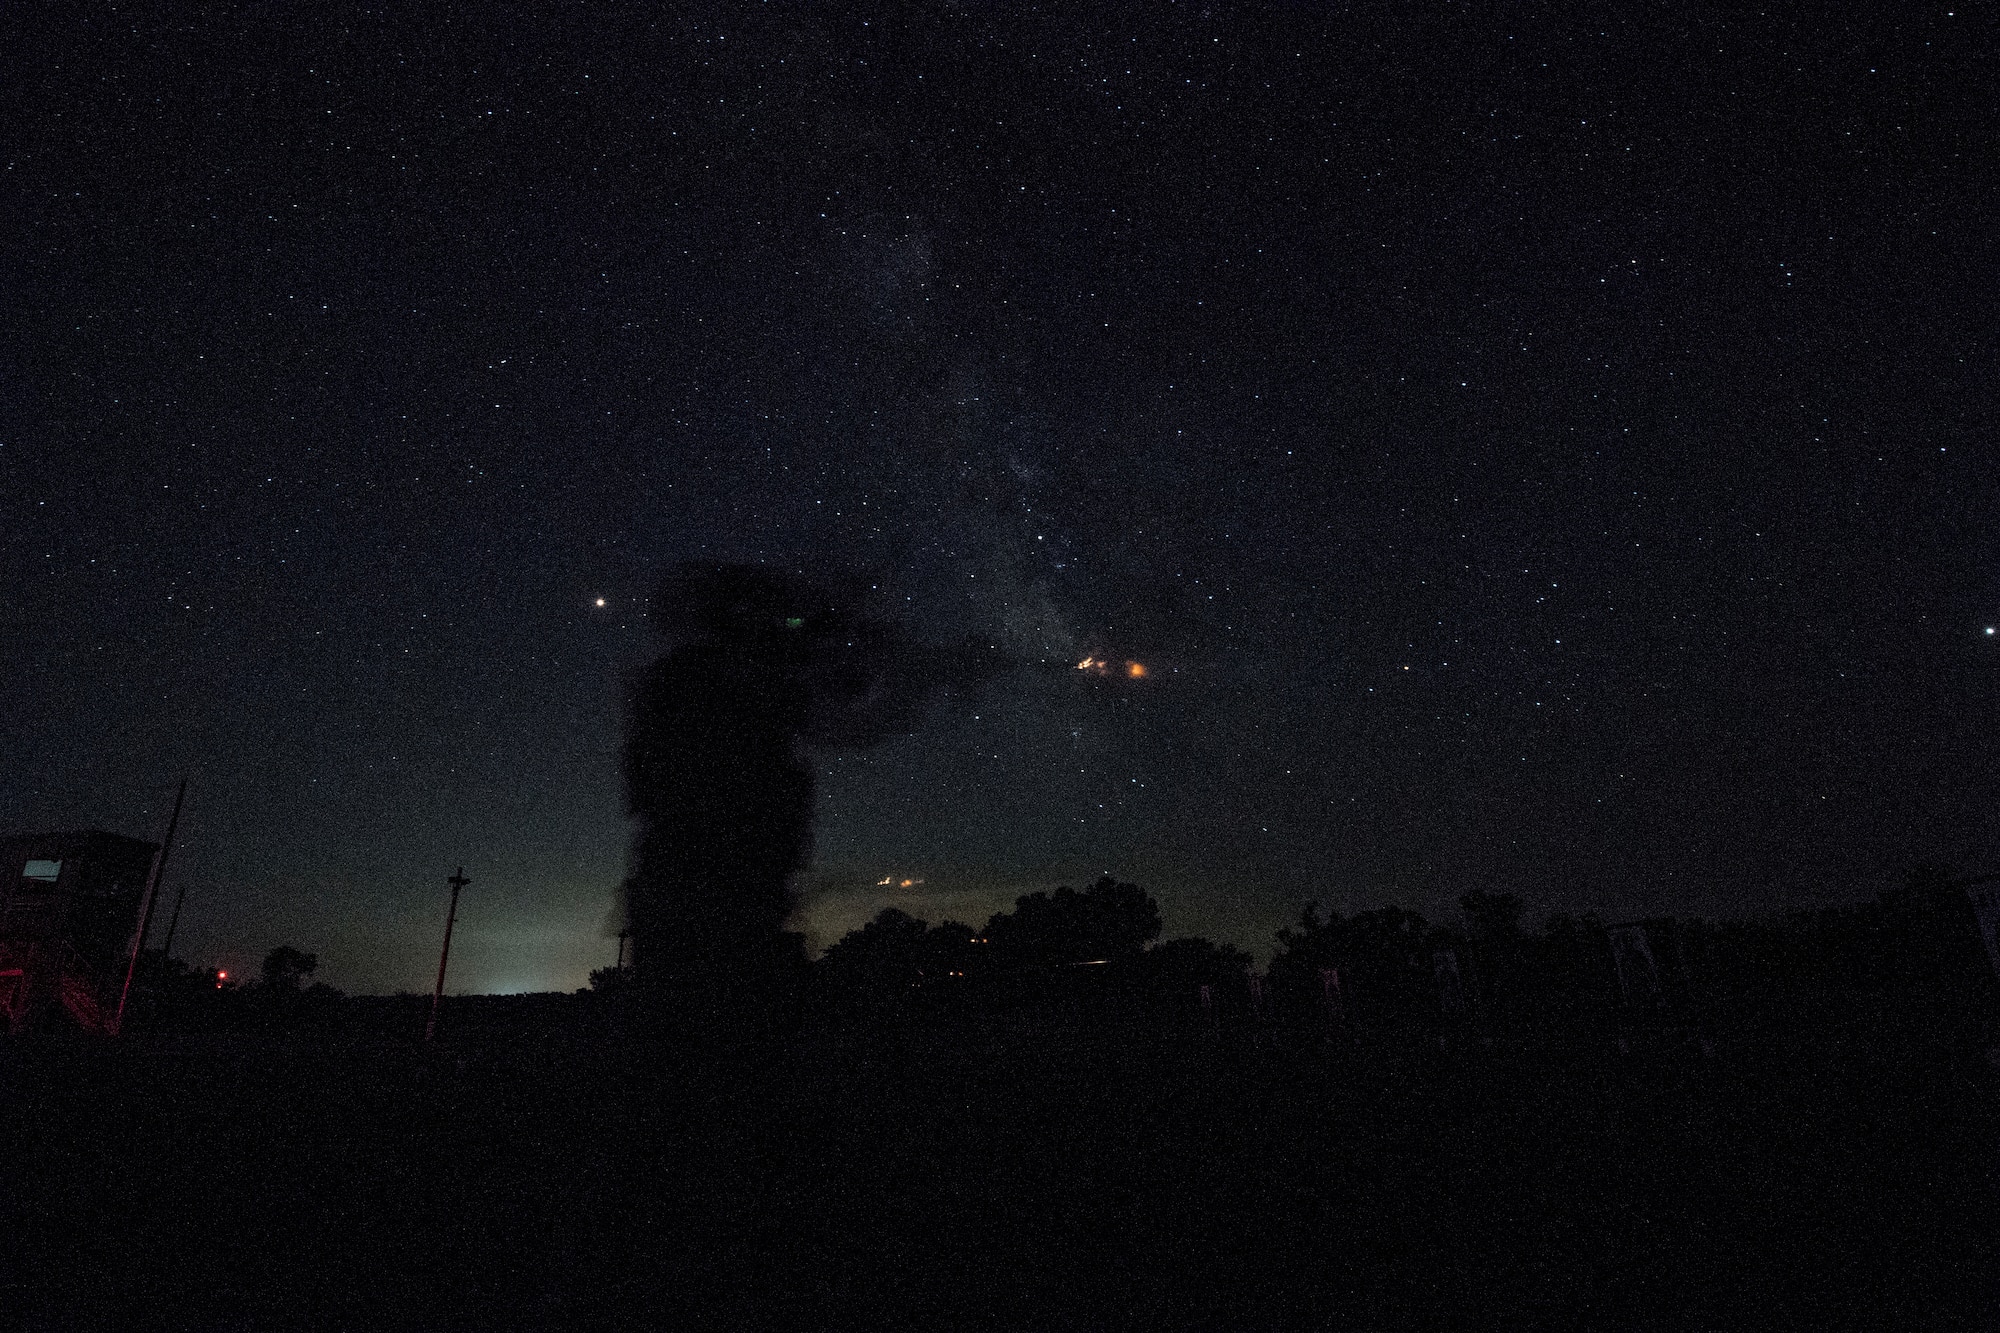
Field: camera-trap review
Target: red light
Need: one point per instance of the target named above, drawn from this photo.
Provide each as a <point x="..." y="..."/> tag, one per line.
<point x="222" y="976"/>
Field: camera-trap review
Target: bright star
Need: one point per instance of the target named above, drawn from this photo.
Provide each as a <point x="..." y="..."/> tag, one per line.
<point x="600" y="601"/>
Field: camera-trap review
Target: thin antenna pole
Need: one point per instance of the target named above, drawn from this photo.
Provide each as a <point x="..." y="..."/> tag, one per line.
<point x="146" y="908"/>
<point x="621" y="948"/>
<point x="457" y="882"/>
<point x="174" y="923"/>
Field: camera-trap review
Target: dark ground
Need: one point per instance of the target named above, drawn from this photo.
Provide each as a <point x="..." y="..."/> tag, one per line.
<point x="1005" y="1174"/>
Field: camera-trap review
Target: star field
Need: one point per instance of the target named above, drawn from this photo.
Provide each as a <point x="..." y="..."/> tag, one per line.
<point x="1540" y="454"/>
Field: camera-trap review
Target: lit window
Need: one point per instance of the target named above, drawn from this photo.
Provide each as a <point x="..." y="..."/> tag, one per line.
<point x="42" y="872"/>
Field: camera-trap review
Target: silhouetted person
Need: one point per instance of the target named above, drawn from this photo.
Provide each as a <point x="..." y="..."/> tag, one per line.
<point x="763" y="664"/>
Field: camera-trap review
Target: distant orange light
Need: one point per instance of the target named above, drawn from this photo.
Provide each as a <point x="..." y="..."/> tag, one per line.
<point x="1104" y="666"/>
<point x="222" y="976"/>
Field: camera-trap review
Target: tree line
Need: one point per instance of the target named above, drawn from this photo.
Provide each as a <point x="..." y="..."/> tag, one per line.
<point x="1388" y="968"/>
<point x="1098" y="950"/>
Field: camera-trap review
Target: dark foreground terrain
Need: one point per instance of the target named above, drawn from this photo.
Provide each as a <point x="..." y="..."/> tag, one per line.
<point x="1016" y="1173"/>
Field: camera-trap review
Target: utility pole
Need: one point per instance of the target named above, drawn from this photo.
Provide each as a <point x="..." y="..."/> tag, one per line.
<point x="621" y="947"/>
<point x="457" y="882"/>
<point x="146" y="908"/>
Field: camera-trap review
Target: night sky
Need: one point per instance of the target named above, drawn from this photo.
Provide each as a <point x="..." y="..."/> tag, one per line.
<point x="1537" y="454"/>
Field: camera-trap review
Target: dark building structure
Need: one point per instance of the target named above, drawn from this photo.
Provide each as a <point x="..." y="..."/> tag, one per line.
<point x="69" y="903"/>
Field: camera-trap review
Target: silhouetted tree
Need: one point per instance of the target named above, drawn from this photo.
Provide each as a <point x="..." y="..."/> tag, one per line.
<point x="280" y="996"/>
<point x="610" y="980"/>
<point x="1491" y="916"/>
<point x="1175" y="972"/>
<point x="172" y="994"/>
<point x="954" y="951"/>
<point x="1383" y="957"/>
<point x="1927" y="937"/>
<point x="885" y="955"/>
<point x="1494" y="957"/>
<point x="286" y="968"/>
<point x="896" y="955"/>
<point x="1109" y="921"/>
